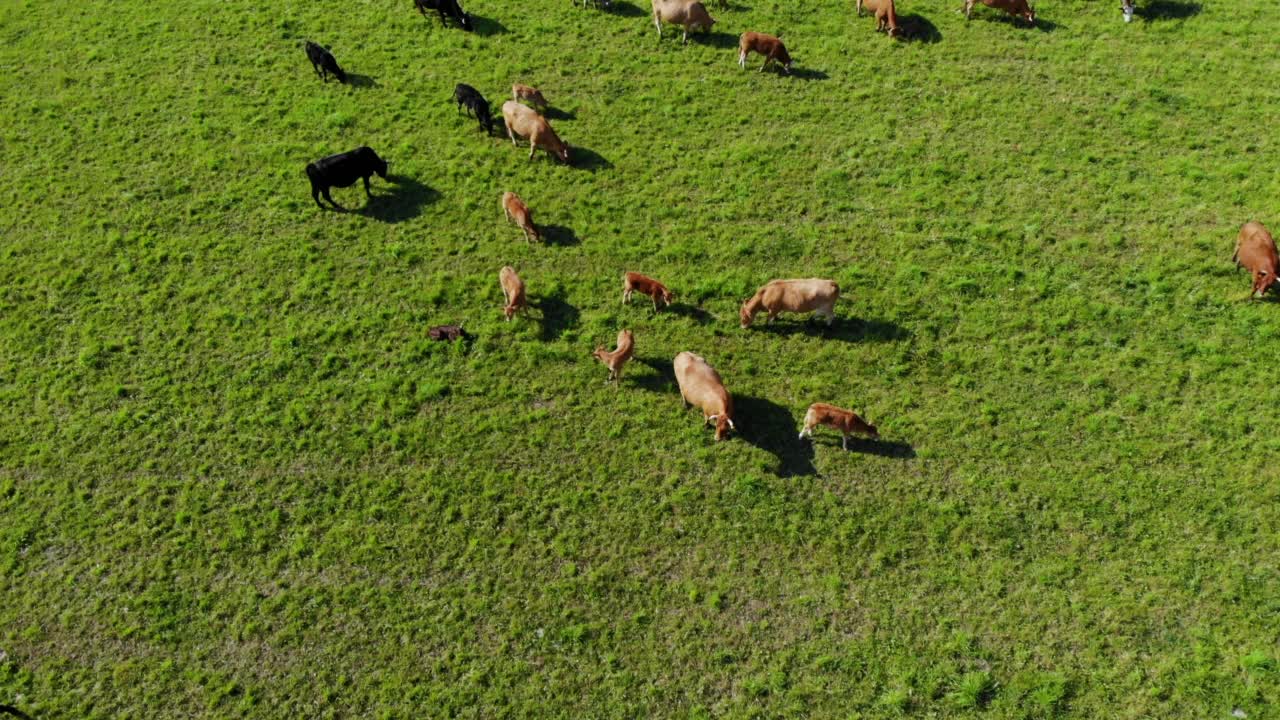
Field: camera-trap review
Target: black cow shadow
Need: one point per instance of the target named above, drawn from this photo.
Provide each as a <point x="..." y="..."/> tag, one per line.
<point x="770" y="427"/>
<point x="918" y="28"/>
<point x="1048" y="26"/>
<point x="661" y="380"/>
<point x="485" y="26"/>
<point x="557" y="315"/>
<point x="558" y="235"/>
<point x="721" y="40"/>
<point x="844" y="329"/>
<point x="808" y="74"/>
<point x="1166" y="10"/>
<point x="405" y="201"/>
<point x="867" y="446"/>
<point x="558" y="114"/>
<point x="623" y="9"/>
<point x="363" y="82"/>
<point x="1004" y="18"/>
<point x="587" y="159"/>
<point x="697" y="314"/>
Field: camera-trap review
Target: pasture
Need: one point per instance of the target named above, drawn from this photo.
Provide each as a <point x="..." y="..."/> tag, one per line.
<point x="237" y="479"/>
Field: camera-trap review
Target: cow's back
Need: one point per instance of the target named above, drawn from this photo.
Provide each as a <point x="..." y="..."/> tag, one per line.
<point x="700" y="383"/>
<point x="801" y="294"/>
<point x="521" y="118"/>
<point x="1256" y="249"/>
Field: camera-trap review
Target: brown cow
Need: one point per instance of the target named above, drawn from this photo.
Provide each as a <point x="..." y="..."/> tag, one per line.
<point x="810" y="295"/>
<point x="526" y="122"/>
<point x="846" y="421"/>
<point x="1256" y="251"/>
<point x="530" y="95"/>
<point x="767" y="45"/>
<point x="700" y="385"/>
<point x="645" y="285"/>
<point x="1017" y="8"/>
<point x="619" y="357"/>
<point x="513" y="291"/>
<point x="886" y="14"/>
<point x="690" y="14"/>
<point x="520" y="214"/>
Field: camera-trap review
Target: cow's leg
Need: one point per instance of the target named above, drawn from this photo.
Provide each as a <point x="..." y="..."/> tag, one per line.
<point x="766" y="63"/>
<point x="742" y="59"/>
<point x="325" y="191"/>
<point x="510" y="134"/>
<point x="968" y="8"/>
<point x="684" y="39"/>
<point x="367" y="193"/>
<point x="532" y="147"/>
<point x="844" y="445"/>
<point x="626" y="296"/>
<point x="858" y="8"/>
<point x="772" y="315"/>
<point x="315" y="195"/>
<point x="658" y="24"/>
<point x="443" y="23"/>
<point x="654" y="298"/>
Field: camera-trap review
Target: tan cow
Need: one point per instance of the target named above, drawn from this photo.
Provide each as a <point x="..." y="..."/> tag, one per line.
<point x="1017" y="8"/>
<point x="700" y="385"/>
<point x="846" y="421"/>
<point x="526" y="122"/>
<point x="767" y="45"/>
<point x="530" y="95"/>
<point x="690" y="14"/>
<point x="513" y="291"/>
<point x="645" y="285"/>
<point x="519" y="213"/>
<point x="886" y="14"/>
<point x="1256" y="251"/>
<point x="619" y="357"/>
<point x="799" y="296"/>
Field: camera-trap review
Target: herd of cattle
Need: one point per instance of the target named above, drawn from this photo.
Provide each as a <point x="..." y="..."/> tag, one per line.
<point x="699" y="383"/>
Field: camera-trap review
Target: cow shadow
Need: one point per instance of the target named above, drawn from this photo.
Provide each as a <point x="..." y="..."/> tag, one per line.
<point x="558" y="235"/>
<point x="918" y="28"/>
<point x="882" y="448"/>
<point x="662" y="380"/>
<point x="721" y="40"/>
<point x="770" y="427"/>
<point x="558" y="114"/>
<point x="844" y="329"/>
<point x="485" y="26"/>
<point x="557" y="315"/>
<point x="1166" y="10"/>
<point x="1003" y="18"/>
<point x="363" y="82"/>
<point x="587" y="159"/>
<point x="405" y="201"/>
<point x="697" y="314"/>
<point x="809" y="74"/>
<point x="623" y="9"/>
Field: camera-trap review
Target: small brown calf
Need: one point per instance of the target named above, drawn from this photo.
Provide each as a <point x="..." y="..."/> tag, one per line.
<point x="1256" y="252"/>
<point x="886" y="14"/>
<point x="513" y="291"/>
<point x="530" y="95"/>
<point x="520" y="214"/>
<point x="846" y="421"/>
<point x="768" y="46"/>
<point x="619" y="357"/>
<point x="635" y="282"/>
<point x="1017" y="8"/>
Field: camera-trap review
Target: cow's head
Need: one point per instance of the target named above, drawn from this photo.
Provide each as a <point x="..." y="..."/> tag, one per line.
<point x="746" y="316"/>
<point x="563" y="153"/>
<point x="667" y="296"/>
<point x="1029" y="15"/>
<point x="1262" y="280"/>
<point x="465" y="21"/>
<point x="723" y="425"/>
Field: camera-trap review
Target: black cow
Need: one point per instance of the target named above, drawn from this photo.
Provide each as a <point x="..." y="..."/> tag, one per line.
<point x="470" y="98"/>
<point x="342" y="170"/>
<point x="323" y="63"/>
<point x="450" y="8"/>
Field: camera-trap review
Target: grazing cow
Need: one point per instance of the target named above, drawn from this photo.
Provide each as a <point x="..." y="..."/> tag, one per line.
<point x="520" y="214"/>
<point x="513" y="291"/>
<point x="1126" y="7"/>
<point x="635" y="282"/>
<point x="886" y="15"/>
<point x="690" y="14"/>
<point x="449" y="8"/>
<point x="446" y="332"/>
<point x="810" y="295"/>
<point x="342" y="170"/>
<point x="526" y="122"/>
<point x="530" y="95"/>
<point x="1017" y="8"/>
<point x="1256" y="251"/>
<point x="619" y="357"/>
<point x="470" y="98"/>
<point x="846" y="421"/>
<point x="768" y="46"/>
<point x="323" y="62"/>
<point x="700" y="385"/>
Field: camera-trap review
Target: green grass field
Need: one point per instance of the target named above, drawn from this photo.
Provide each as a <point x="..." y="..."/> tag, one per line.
<point x="238" y="480"/>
